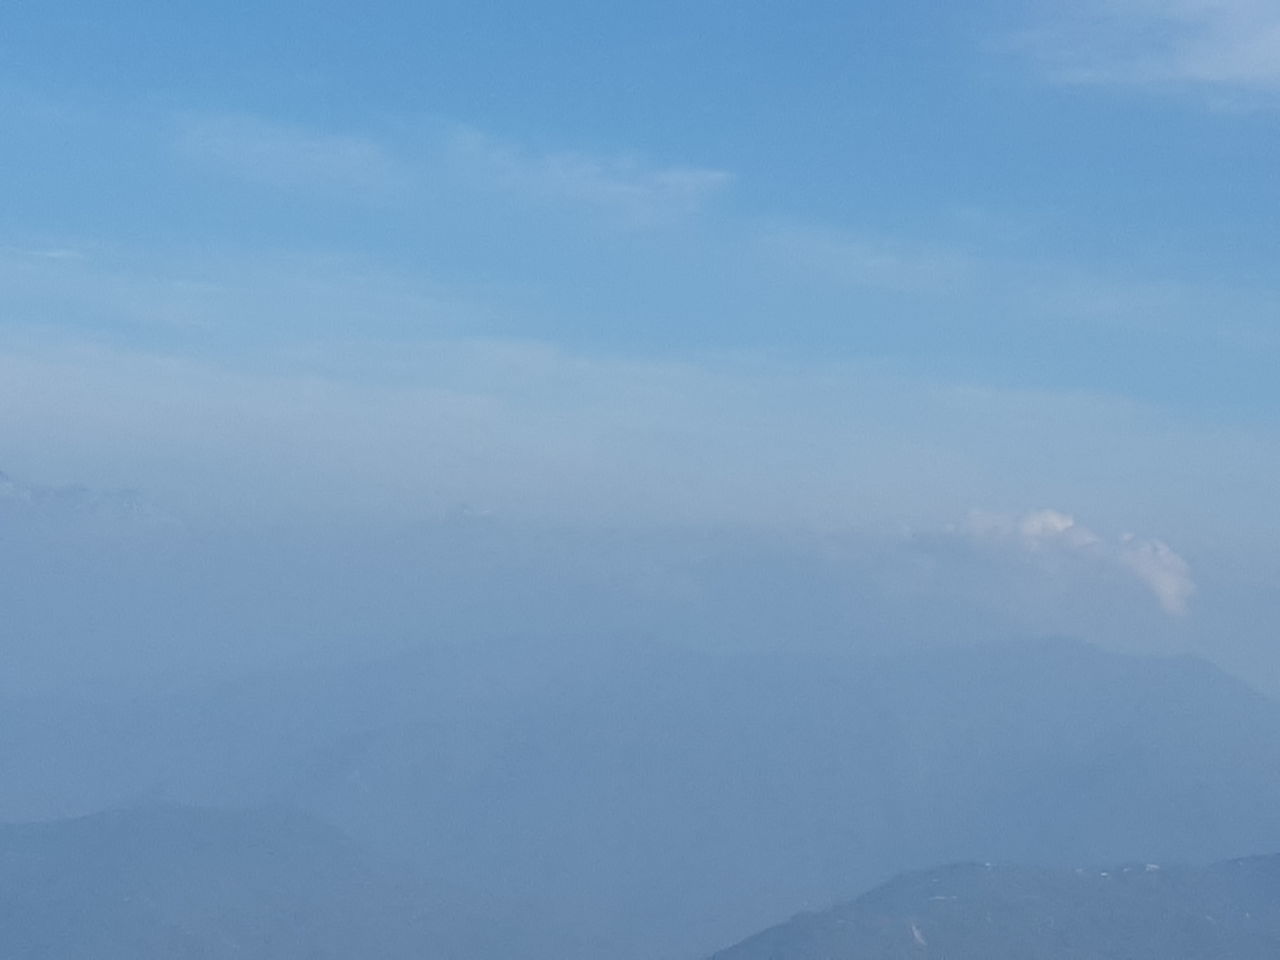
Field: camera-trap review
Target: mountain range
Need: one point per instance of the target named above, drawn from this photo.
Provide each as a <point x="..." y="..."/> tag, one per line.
<point x="171" y="883"/>
<point x="1229" y="911"/>
<point x="657" y="803"/>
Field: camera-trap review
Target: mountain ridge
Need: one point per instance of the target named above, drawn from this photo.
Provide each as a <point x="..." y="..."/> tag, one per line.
<point x="983" y="911"/>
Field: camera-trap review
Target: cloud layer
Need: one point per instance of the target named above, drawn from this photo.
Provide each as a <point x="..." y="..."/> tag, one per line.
<point x="133" y="599"/>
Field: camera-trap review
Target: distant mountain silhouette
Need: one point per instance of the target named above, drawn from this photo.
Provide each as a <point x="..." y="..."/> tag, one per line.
<point x="716" y="791"/>
<point x="659" y="803"/>
<point x="182" y="884"/>
<point x="1230" y="911"/>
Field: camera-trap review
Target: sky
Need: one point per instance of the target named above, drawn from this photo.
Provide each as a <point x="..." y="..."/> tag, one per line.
<point x="992" y="279"/>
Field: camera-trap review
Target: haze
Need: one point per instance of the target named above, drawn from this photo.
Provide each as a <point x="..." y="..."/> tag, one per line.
<point x="464" y="425"/>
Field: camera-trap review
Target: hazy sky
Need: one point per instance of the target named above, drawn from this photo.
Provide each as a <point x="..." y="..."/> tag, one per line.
<point x="946" y="274"/>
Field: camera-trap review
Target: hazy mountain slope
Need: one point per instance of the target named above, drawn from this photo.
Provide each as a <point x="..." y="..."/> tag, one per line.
<point x="982" y="912"/>
<point x="712" y="791"/>
<point x="182" y="884"/>
<point x="662" y="802"/>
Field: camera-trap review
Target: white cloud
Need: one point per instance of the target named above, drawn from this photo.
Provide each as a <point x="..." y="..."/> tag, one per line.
<point x="624" y="188"/>
<point x="1220" y="44"/>
<point x="1166" y="573"/>
<point x="1153" y="562"/>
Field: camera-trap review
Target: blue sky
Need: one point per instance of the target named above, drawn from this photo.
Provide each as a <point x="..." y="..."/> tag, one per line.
<point x="811" y="266"/>
<point x="893" y="181"/>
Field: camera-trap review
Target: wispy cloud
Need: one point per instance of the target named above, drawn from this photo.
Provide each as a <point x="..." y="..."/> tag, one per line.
<point x="43" y="253"/>
<point x="381" y="365"/>
<point x="288" y="156"/>
<point x="877" y="263"/>
<point x="965" y="286"/>
<point x="624" y="188"/>
<point x="1224" y="45"/>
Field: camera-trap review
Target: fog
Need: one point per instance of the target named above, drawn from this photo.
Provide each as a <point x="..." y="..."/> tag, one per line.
<point x="649" y="736"/>
<point x="106" y="588"/>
